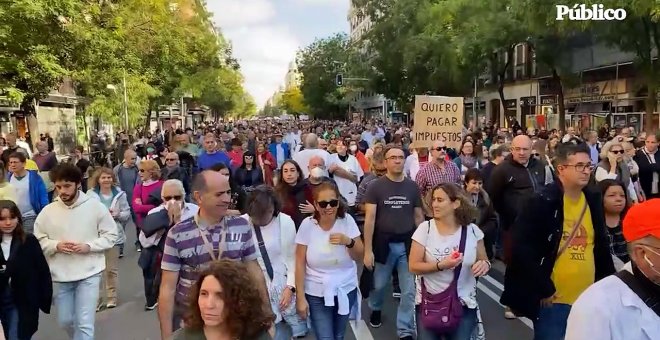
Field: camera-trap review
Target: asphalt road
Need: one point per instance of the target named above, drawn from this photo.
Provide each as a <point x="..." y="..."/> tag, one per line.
<point x="129" y="320"/>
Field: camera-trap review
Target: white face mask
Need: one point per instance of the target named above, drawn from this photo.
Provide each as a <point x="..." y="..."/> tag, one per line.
<point x="649" y="261"/>
<point x="317" y="173"/>
<point x="353" y="148"/>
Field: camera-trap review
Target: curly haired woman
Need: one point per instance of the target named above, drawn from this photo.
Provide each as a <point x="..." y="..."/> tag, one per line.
<point x="225" y="305"/>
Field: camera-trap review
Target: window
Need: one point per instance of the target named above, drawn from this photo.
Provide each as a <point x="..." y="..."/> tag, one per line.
<point x="520" y="54"/>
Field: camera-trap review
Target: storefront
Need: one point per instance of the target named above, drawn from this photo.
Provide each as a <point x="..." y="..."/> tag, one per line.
<point x="510" y="112"/>
<point x="591" y="105"/>
<point x="469" y="113"/>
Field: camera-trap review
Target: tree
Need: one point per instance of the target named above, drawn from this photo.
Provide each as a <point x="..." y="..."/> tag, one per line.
<point x="293" y="101"/>
<point x="639" y="33"/>
<point x="35" y="46"/>
<point x="485" y="34"/>
<point x="411" y="51"/>
<point x="319" y="64"/>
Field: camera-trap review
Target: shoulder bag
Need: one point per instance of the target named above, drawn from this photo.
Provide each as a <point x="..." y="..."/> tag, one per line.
<point x="441" y="313"/>
<point x="651" y="299"/>
<point x="573" y="233"/>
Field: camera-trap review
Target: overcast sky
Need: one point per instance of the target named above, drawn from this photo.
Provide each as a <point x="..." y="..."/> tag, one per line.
<point x="266" y="34"/>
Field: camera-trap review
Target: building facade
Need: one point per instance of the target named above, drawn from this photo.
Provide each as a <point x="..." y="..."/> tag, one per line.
<point x="602" y="87"/>
<point x="365" y="104"/>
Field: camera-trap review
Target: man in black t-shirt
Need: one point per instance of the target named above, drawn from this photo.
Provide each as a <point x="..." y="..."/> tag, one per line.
<point x="393" y="210"/>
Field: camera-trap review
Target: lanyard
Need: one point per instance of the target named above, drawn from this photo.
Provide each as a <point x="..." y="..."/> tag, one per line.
<point x="209" y="247"/>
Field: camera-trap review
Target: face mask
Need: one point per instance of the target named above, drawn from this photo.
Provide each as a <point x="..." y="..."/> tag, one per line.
<point x="649" y="261"/>
<point x="317" y="173"/>
<point x="353" y="148"/>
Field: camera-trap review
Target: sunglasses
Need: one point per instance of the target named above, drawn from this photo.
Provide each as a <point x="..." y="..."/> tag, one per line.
<point x="441" y="148"/>
<point x="616" y="152"/>
<point x="175" y="197"/>
<point x="142" y="170"/>
<point x="536" y="154"/>
<point x="171" y="159"/>
<point x="331" y="203"/>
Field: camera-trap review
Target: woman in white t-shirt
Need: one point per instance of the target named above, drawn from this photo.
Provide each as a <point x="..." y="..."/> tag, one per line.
<point x="432" y="256"/>
<point x="328" y="244"/>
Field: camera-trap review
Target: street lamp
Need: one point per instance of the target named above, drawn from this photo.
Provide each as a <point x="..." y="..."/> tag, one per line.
<point x="125" y="101"/>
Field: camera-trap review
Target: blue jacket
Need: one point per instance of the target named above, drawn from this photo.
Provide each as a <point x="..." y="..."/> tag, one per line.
<point x="38" y="193"/>
<point x="272" y="148"/>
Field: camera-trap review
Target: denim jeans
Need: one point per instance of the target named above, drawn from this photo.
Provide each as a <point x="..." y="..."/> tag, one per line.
<point x="76" y="306"/>
<point x="9" y="315"/>
<point x="326" y="321"/>
<point x="551" y="324"/>
<point x="464" y="331"/>
<point x="405" y="316"/>
<point x="283" y="331"/>
<point x="28" y="224"/>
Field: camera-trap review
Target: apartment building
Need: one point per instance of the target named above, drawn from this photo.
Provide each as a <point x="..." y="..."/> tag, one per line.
<point x="603" y="88"/>
<point x="365" y="104"/>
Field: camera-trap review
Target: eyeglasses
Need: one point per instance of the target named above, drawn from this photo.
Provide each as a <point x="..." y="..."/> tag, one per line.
<point x="175" y="197"/>
<point x="616" y="152"/>
<point x="441" y="148"/>
<point x="395" y="158"/>
<point x="581" y="167"/>
<point x="171" y="159"/>
<point x="331" y="203"/>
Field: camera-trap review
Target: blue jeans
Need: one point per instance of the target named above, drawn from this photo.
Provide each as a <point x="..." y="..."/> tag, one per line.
<point x="283" y="331"/>
<point x="464" y="331"/>
<point x="405" y="316"/>
<point x="551" y="324"/>
<point x="76" y="306"/>
<point x="326" y="321"/>
<point x="8" y="315"/>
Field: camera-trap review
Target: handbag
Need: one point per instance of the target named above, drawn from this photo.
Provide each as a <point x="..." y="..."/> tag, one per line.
<point x="275" y="290"/>
<point x="441" y="313"/>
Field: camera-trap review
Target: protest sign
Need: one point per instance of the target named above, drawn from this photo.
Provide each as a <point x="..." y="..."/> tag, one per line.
<point x="438" y="118"/>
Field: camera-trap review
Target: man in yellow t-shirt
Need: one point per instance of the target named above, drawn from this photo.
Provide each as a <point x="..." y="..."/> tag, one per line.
<point x="545" y="277"/>
<point x="574" y="269"/>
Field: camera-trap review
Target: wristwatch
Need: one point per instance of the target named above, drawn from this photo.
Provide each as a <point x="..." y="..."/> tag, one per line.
<point x="351" y="245"/>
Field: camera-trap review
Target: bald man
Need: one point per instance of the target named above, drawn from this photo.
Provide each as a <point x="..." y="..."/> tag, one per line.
<point x="311" y="150"/>
<point x="514" y="180"/>
<point x="218" y="235"/>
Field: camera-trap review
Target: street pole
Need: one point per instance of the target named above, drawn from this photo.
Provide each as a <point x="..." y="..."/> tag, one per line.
<point x="474" y="104"/>
<point x="170" y="108"/>
<point x="125" y="104"/>
<point x="183" y="114"/>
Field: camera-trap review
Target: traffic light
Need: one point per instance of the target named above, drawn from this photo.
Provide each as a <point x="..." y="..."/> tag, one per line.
<point x="339" y="80"/>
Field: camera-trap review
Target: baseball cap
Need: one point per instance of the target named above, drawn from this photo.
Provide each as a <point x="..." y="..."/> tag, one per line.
<point x="642" y="220"/>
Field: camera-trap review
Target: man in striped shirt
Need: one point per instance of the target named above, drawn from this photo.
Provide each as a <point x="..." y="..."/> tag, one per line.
<point x="193" y="244"/>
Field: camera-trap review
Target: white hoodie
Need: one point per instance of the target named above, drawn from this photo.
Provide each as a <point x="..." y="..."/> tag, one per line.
<point x="85" y="221"/>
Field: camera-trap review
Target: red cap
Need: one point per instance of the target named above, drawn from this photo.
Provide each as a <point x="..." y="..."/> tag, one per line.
<point x="642" y="220"/>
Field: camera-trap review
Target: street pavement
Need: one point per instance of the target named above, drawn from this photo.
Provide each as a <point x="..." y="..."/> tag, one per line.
<point x="129" y="320"/>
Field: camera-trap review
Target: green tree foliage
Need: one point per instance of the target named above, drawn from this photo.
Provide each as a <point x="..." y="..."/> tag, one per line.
<point x="35" y="45"/>
<point x="166" y="48"/>
<point x="293" y="101"/>
<point x="639" y="33"/>
<point x="319" y="64"/>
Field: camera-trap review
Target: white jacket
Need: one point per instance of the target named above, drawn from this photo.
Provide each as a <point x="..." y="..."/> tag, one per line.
<point x="119" y="203"/>
<point x="608" y="309"/>
<point x="288" y="246"/>
<point x="411" y="166"/>
<point x="85" y="221"/>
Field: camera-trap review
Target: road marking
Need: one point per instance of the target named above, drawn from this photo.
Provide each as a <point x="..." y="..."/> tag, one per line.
<point x="494" y="282"/>
<point x="361" y="330"/>
<point x="496" y="298"/>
